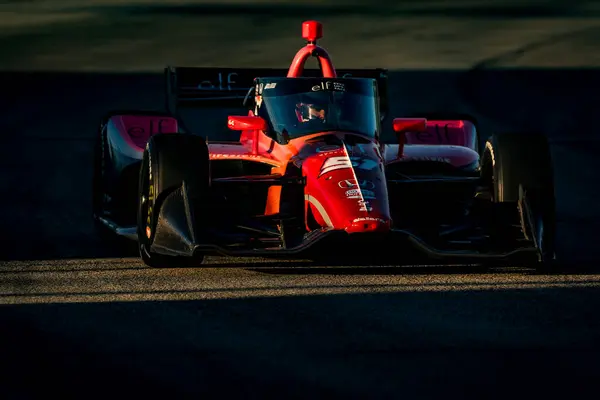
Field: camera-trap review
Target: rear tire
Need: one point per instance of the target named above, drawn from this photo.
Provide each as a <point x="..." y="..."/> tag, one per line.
<point x="168" y="161"/>
<point x="517" y="169"/>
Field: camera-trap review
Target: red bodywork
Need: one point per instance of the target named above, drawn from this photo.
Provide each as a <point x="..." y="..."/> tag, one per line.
<point x="332" y="172"/>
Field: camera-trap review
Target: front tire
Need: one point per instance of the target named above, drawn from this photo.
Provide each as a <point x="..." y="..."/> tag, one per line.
<point x="170" y="160"/>
<point x="517" y="170"/>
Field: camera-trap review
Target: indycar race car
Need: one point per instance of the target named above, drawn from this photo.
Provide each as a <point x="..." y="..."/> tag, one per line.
<point x="311" y="175"/>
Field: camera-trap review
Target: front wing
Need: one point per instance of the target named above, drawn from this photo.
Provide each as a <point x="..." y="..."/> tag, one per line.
<point x="177" y="235"/>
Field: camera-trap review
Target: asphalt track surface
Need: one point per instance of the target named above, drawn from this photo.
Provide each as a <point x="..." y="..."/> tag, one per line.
<point x="77" y="320"/>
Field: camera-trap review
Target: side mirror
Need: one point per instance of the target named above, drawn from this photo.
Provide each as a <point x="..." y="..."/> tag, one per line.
<point x="403" y="125"/>
<point x="246" y="123"/>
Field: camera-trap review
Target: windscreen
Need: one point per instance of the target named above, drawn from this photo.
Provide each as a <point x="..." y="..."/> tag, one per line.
<point x="296" y="107"/>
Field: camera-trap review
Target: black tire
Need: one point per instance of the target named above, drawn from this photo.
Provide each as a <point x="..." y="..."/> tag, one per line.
<point x="517" y="169"/>
<point x="168" y="161"/>
<point x="116" y="245"/>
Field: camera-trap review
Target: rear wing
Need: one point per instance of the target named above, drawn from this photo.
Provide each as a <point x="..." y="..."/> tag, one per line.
<point x="227" y="87"/>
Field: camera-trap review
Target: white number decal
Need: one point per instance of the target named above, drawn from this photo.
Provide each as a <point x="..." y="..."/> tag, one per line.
<point x="335" y="163"/>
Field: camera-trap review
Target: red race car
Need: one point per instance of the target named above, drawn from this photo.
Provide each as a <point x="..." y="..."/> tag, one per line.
<point x="311" y="176"/>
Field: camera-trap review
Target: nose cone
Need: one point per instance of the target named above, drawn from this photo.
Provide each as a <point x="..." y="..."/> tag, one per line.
<point x="368" y="224"/>
<point x="346" y="188"/>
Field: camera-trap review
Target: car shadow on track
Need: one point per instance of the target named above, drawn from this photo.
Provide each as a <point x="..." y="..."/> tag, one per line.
<point x="280" y="266"/>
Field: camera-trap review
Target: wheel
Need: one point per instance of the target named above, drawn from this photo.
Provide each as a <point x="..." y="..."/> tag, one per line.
<point x="170" y="160"/>
<point x="517" y="170"/>
<point x="116" y="245"/>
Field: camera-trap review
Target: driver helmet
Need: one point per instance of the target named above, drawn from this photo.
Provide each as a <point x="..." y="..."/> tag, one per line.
<point x="306" y="112"/>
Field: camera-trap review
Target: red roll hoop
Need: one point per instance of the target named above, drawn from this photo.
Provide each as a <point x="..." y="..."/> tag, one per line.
<point x="311" y="31"/>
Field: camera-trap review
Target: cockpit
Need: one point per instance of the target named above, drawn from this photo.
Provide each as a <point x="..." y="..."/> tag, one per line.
<point x="302" y="106"/>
